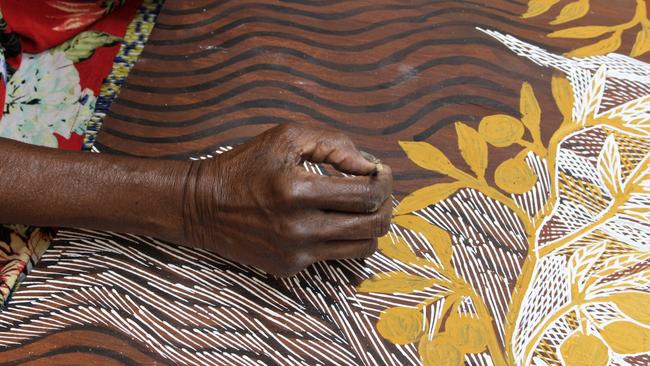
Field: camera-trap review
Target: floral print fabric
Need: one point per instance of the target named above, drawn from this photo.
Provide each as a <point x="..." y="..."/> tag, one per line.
<point x="44" y="98"/>
<point x="55" y="57"/>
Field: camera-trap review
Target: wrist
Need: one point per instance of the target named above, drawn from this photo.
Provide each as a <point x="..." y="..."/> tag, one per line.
<point x="157" y="195"/>
<point x="201" y="201"/>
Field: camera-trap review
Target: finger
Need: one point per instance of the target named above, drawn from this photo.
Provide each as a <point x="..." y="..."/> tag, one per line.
<point x="361" y="194"/>
<point x="337" y="150"/>
<point x="331" y="225"/>
<point x="344" y="249"/>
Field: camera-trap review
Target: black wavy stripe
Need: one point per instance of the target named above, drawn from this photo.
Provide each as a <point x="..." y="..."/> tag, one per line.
<point x="88" y="327"/>
<point x="317" y="3"/>
<point x="434" y="127"/>
<point x="307" y="41"/>
<point x="372" y="26"/>
<point x="299" y="26"/>
<point x="221" y="127"/>
<point x="469" y="81"/>
<point x="307" y="58"/>
<point x="289" y="71"/>
<point x="286" y="10"/>
<point x="198" y="9"/>
<point x="300" y="109"/>
<point x="77" y="352"/>
<point x="393" y="58"/>
<point x="413" y="72"/>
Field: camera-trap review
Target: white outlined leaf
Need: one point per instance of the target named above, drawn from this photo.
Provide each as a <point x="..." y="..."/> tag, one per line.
<point x="582" y="261"/>
<point x="593" y="95"/>
<point x="609" y="166"/>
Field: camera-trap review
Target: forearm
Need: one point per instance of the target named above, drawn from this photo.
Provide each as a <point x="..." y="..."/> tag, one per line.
<point x="48" y="187"/>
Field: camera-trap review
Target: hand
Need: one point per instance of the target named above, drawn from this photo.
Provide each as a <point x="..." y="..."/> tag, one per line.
<point x="257" y="205"/>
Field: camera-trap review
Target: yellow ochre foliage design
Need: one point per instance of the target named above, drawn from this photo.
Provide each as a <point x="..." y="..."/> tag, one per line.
<point x="456" y="334"/>
<point x="611" y="34"/>
<point x="598" y="267"/>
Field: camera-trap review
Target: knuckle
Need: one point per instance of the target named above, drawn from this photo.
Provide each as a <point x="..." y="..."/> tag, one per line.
<point x="370" y="248"/>
<point x="289" y="191"/>
<point x="382" y="223"/>
<point x="288" y="133"/>
<point x="295" y="231"/>
<point x="341" y="138"/>
<point x="372" y="199"/>
<point x="285" y="128"/>
<point x="324" y="144"/>
<point x="292" y="262"/>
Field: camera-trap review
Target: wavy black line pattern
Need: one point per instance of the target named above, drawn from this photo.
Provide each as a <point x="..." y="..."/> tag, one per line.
<point x="366" y="68"/>
<point x="358" y="11"/>
<point x="414" y="71"/>
<point x="302" y="109"/>
<point x="296" y="26"/>
<point x="472" y="82"/>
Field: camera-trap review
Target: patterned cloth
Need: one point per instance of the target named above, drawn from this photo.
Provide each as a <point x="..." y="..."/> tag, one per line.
<point x="62" y="64"/>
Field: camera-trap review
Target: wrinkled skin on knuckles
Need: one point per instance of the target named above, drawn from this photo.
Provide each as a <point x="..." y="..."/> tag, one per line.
<point x="257" y="205"/>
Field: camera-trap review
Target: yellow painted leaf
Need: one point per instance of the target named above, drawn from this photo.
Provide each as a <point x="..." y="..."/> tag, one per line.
<point x="572" y="11"/>
<point x="538" y="7"/>
<point x="642" y="42"/>
<point x="580" y="349"/>
<point x="473" y="148"/>
<point x="439" y="239"/>
<point x="400" y="325"/>
<point x="501" y="130"/>
<point x="589" y="31"/>
<point x="609" y="166"/>
<point x="469" y="335"/>
<point x="563" y="95"/>
<point x="440" y="351"/>
<point x="602" y="47"/>
<point x="397" y="248"/>
<point x="626" y="337"/>
<point x="426" y="196"/>
<point x="531" y="114"/>
<point x="515" y="176"/>
<point x="634" y="304"/>
<point x="427" y="156"/>
<point x="582" y="261"/>
<point x="396" y="282"/>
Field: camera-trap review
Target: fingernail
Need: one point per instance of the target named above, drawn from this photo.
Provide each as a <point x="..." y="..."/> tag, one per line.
<point x="371" y="158"/>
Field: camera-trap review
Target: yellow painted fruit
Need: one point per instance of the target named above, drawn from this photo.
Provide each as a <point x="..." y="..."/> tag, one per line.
<point x="501" y="130"/>
<point x="584" y="350"/>
<point x="468" y="334"/>
<point x="635" y="304"/>
<point x="626" y="337"/>
<point x="400" y="325"/>
<point x="439" y="352"/>
<point x="515" y="176"/>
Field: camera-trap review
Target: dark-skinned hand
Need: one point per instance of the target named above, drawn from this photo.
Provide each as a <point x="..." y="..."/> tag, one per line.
<point x="257" y="205"/>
